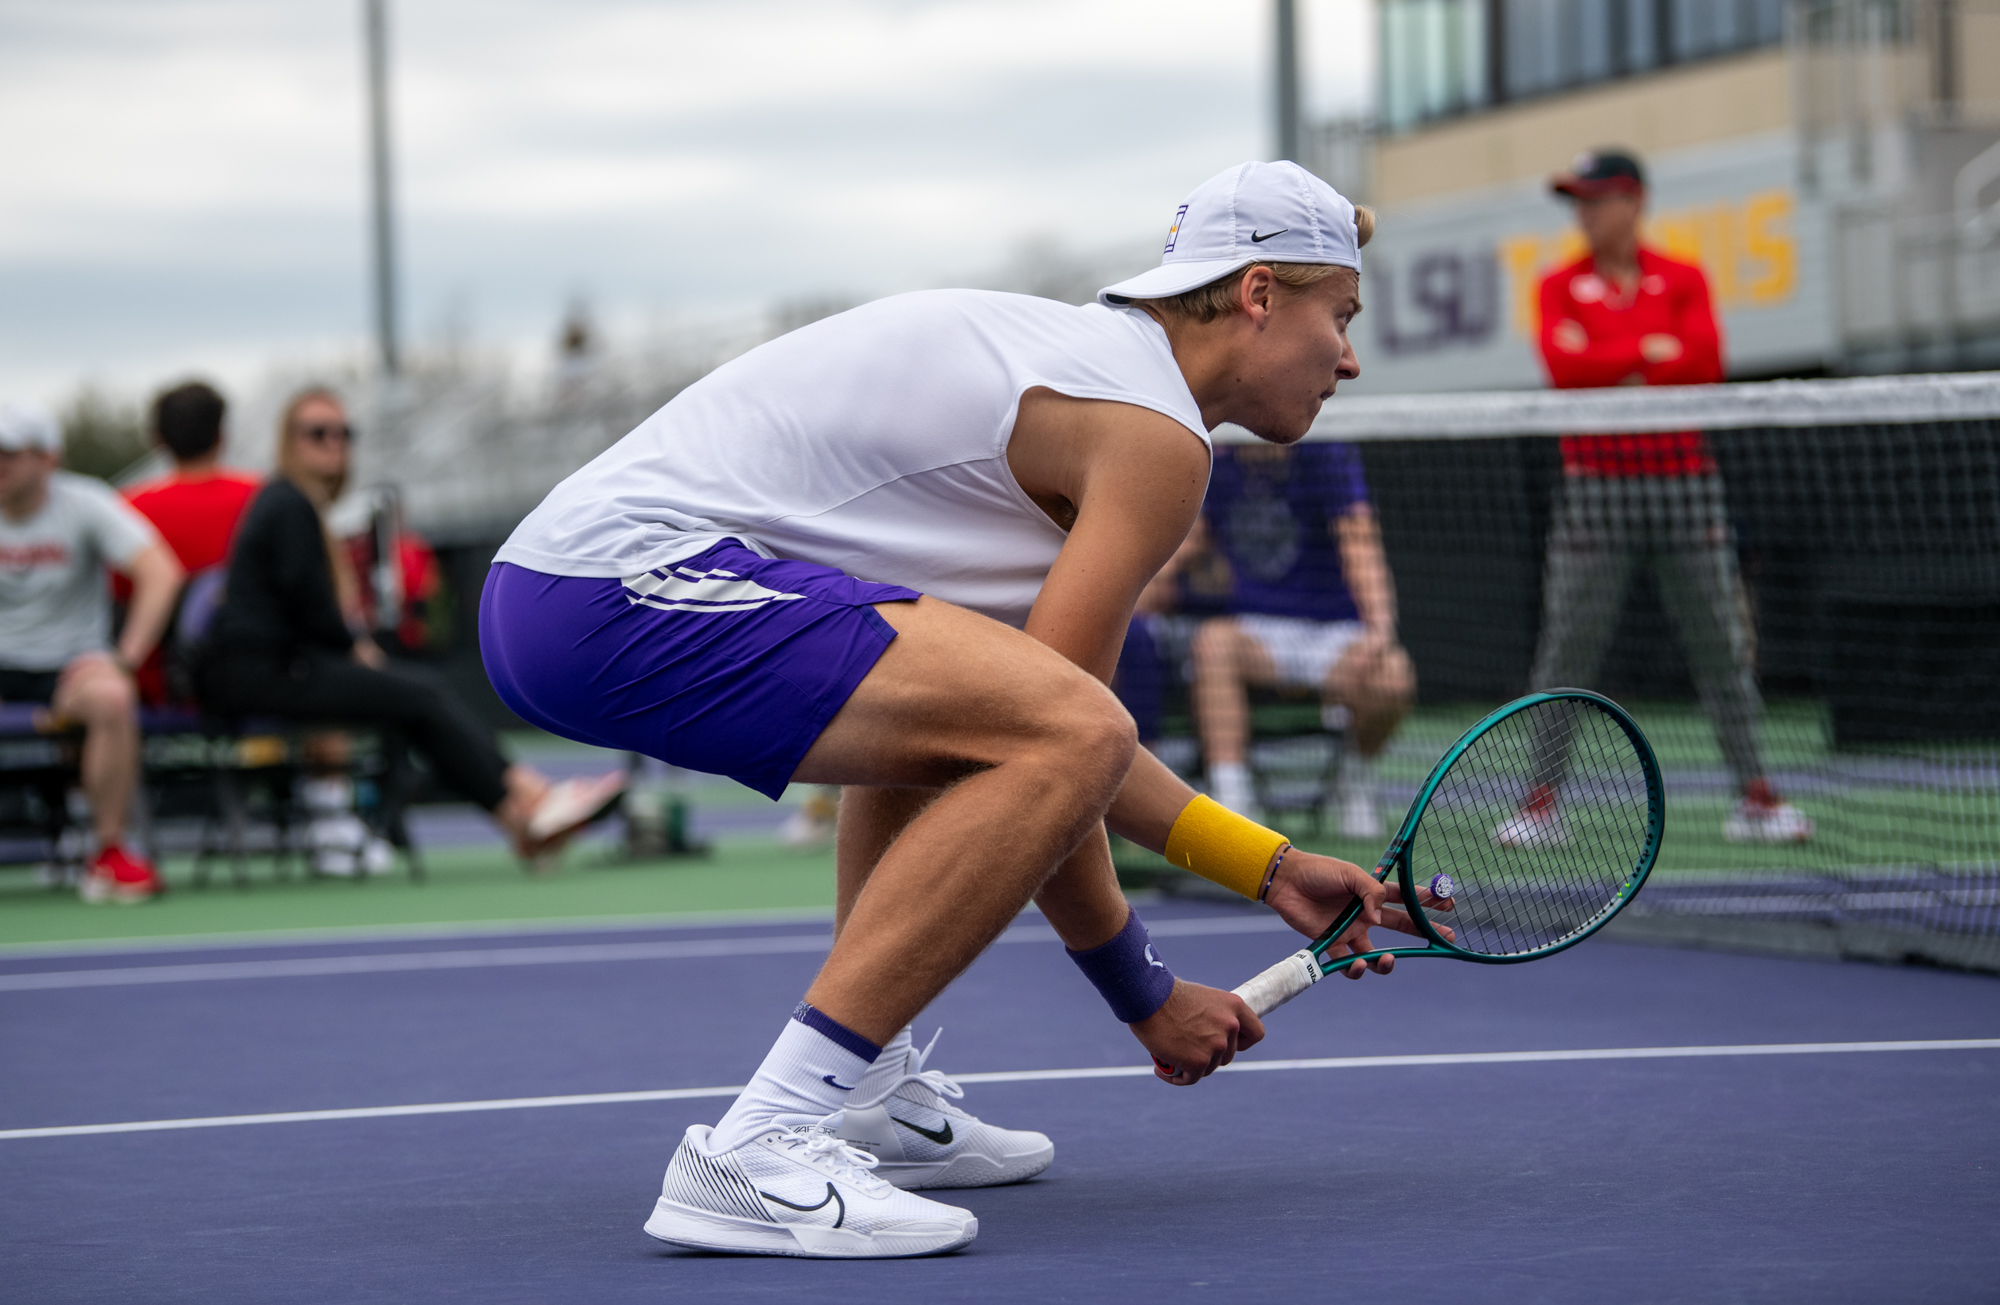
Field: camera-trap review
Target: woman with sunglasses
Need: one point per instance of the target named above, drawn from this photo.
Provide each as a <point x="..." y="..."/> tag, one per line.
<point x="287" y="642"/>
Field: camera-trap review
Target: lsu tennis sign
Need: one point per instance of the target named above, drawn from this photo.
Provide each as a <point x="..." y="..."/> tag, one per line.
<point x="1452" y="284"/>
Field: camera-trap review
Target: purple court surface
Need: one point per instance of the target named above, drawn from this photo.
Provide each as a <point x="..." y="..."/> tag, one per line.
<point x="1796" y="1131"/>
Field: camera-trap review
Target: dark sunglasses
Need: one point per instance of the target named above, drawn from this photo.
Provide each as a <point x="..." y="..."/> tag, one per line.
<point x="321" y="434"/>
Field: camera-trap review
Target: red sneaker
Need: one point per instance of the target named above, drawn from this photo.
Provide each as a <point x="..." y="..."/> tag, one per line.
<point x="115" y="875"/>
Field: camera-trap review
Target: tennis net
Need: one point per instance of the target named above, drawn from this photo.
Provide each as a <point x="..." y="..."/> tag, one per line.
<point x="1800" y="586"/>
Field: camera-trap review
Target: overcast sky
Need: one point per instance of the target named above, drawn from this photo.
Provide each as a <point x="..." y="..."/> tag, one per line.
<point x="183" y="179"/>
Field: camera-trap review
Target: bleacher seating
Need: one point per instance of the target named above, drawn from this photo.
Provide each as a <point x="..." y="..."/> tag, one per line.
<point x="235" y="780"/>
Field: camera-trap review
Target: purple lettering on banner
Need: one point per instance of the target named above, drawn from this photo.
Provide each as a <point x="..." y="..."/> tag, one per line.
<point x="1442" y="298"/>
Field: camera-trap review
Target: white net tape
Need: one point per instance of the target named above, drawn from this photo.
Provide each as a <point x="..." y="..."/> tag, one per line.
<point x="1863" y="401"/>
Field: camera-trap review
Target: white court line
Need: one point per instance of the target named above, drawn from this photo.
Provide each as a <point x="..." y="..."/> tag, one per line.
<point x="435" y="931"/>
<point x="1022" y="1076"/>
<point x="565" y="954"/>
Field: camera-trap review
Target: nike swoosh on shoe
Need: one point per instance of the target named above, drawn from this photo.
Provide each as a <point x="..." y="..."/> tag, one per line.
<point x="831" y="1195"/>
<point x="942" y="1136"/>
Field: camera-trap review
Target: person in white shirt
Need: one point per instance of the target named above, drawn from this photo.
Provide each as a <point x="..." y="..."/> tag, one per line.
<point x="897" y="550"/>
<point x="58" y="534"/>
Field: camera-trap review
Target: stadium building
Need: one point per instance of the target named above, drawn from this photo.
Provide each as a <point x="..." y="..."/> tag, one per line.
<point x="1834" y="166"/>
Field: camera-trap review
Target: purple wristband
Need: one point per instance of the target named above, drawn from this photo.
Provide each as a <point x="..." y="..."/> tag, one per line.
<point x="1132" y="977"/>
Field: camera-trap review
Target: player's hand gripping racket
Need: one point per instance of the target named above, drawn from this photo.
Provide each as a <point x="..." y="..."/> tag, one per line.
<point x="1536" y="828"/>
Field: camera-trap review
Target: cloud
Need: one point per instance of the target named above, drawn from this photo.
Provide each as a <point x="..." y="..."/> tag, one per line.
<point x="186" y="177"/>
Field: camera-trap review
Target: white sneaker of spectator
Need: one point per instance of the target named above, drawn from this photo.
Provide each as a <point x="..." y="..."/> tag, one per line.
<point x="1758" y="822"/>
<point x="1532" y="829"/>
<point x="339" y="843"/>
<point x="815" y="823"/>
<point x="1360" y="811"/>
<point x="1229" y="785"/>
<point x="344" y="847"/>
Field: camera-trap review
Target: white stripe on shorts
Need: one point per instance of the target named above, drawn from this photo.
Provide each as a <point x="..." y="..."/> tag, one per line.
<point x="684" y="589"/>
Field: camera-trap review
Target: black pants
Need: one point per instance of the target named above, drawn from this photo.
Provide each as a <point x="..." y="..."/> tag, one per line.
<point x="322" y="687"/>
<point x="28" y="686"/>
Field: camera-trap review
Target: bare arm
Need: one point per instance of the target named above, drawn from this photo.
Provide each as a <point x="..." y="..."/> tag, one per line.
<point x="156" y="580"/>
<point x="1130" y="481"/>
<point x="1134" y="481"/>
<point x="1130" y="484"/>
<point x="1162" y="592"/>
<point x="1365" y="568"/>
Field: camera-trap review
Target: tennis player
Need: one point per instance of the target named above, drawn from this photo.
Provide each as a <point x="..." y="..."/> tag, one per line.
<point x="897" y="550"/>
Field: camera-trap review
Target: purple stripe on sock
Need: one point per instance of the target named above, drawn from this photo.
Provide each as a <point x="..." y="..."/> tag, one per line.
<point x="820" y="1022"/>
<point x="1130" y="974"/>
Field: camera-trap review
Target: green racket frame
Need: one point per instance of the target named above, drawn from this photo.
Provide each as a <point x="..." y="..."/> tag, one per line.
<point x="1397" y="857"/>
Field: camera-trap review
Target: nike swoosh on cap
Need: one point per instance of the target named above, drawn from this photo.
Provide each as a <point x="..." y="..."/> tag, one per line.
<point x="1256" y="239"/>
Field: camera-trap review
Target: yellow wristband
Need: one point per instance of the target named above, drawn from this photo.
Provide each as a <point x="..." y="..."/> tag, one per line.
<point x="1223" y="847"/>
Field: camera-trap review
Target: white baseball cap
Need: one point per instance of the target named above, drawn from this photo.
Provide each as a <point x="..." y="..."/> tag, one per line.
<point x="29" y="426"/>
<point x="1253" y="213"/>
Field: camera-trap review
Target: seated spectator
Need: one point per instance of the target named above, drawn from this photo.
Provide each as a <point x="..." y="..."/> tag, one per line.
<point x="285" y="643"/>
<point x="1313" y="606"/>
<point x="195" y="507"/>
<point x="58" y="533"/>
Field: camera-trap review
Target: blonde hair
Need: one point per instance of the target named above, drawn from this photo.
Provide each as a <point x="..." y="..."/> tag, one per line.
<point x="319" y="489"/>
<point x="1206" y="303"/>
<point x="323" y="492"/>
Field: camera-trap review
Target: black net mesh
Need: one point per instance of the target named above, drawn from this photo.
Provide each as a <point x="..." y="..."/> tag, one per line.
<point x="1541" y="823"/>
<point x="1794" y="588"/>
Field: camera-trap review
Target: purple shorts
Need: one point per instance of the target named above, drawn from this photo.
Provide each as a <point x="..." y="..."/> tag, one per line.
<point x="725" y="662"/>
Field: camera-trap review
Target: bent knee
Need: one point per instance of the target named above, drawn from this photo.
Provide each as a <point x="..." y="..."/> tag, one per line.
<point x="1109" y="733"/>
<point x="1088" y="728"/>
<point x="101" y="699"/>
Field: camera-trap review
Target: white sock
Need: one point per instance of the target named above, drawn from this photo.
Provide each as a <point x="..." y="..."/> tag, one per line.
<point x="811" y="1071"/>
<point x="891" y="1065"/>
<point x="1229" y="784"/>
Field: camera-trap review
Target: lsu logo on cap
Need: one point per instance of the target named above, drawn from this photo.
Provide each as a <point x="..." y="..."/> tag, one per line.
<point x="1174" y="231"/>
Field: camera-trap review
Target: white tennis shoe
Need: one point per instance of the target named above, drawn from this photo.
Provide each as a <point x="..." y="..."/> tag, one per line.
<point x="920" y="1139"/>
<point x="1360" y="817"/>
<point x="797" y="1191"/>
<point x="1760" y="822"/>
<point x="1532" y="829"/>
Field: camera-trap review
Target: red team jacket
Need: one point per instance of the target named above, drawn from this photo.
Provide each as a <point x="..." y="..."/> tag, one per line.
<point x="1671" y="299"/>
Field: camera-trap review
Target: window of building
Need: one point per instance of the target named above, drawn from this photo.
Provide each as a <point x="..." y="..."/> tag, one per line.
<point x="1434" y="56"/>
<point x="1441" y="58"/>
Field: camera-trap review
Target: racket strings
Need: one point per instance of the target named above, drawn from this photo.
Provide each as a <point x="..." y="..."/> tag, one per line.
<point x="1541" y="822"/>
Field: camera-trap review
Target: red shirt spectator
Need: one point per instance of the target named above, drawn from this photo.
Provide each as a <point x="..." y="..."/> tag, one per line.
<point x="197" y="505"/>
<point x="196" y="513"/>
<point x="1651" y="323"/>
<point x="1590" y="338"/>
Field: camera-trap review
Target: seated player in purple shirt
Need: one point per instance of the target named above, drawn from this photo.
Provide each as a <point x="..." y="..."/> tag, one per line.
<point x="1313" y="606"/>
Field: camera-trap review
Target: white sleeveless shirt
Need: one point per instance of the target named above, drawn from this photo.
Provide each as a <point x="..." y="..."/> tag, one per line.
<point x="874" y="442"/>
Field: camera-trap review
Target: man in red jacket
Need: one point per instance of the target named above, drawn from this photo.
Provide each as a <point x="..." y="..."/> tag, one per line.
<point x="1624" y="314"/>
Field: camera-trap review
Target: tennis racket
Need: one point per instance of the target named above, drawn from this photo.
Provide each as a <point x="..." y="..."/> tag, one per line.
<point x="1531" y="833"/>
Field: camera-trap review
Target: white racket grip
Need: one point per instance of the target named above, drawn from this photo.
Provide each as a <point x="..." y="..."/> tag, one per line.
<point x="1282" y="982"/>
